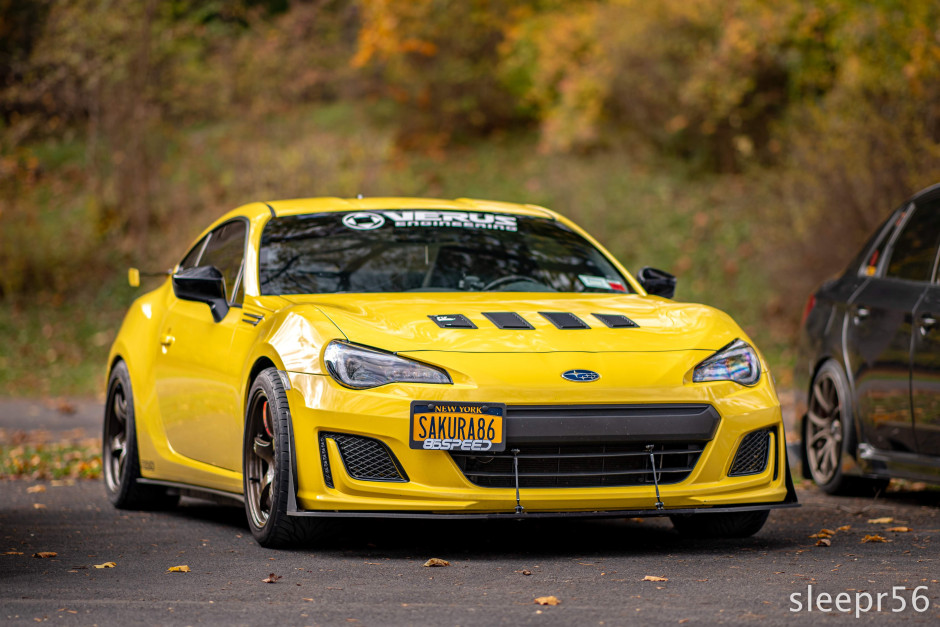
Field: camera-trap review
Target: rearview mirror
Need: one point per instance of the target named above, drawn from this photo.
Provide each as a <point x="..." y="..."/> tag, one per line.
<point x="204" y="284"/>
<point x="657" y="282"/>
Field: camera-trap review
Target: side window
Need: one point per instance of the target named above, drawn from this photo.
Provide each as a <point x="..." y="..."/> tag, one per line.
<point x="915" y="248"/>
<point x="226" y="251"/>
<point x="192" y="257"/>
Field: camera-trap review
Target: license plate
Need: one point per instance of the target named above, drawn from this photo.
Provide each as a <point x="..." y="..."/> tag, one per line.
<point x="458" y="426"/>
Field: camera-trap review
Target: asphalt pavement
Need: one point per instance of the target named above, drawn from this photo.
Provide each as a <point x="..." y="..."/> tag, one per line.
<point x="372" y="572"/>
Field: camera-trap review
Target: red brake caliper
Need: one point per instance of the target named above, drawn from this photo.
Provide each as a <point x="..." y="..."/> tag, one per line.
<point x="266" y="419"/>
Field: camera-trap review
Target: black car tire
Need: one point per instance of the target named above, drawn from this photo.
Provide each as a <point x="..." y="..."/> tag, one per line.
<point x="119" y="458"/>
<point x="267" y="467"/>
<point x="829" y="422"/>
<point x="720" y="525"/>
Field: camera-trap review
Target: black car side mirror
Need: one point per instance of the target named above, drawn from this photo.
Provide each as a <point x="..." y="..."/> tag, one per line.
<point x="203" y="284"/>
<point x="657" y="282"/>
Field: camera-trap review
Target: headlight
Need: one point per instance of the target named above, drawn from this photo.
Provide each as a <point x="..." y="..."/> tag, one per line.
<point x="736" y="362"/>
<point x="359" y="367"/>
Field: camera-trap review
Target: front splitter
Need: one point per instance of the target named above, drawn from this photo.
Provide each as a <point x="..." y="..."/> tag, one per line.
<point x="623" y="513"/>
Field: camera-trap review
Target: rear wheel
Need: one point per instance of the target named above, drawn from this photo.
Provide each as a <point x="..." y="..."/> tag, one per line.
<point x="267" y="468"/>
<point x="828" y="434"/>
<point x="121" y="465"/>
<point x="720" y="525"/>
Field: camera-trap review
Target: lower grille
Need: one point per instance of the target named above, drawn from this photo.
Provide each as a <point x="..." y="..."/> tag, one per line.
<point x="752" y="454"/>
<point x="582" y="465"/>
<point x="366" y="459"/>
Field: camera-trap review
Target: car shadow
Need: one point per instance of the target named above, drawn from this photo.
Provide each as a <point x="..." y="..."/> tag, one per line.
<point x="495" y="539"/>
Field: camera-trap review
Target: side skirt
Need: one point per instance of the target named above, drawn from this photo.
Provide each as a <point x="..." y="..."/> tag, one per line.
<point x="198" y="492"/>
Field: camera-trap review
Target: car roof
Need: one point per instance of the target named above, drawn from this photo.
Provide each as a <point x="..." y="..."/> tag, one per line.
<point x="318" y="205"/>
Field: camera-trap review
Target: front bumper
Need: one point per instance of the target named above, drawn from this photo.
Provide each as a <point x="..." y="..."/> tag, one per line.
<point x="437" y="487"/>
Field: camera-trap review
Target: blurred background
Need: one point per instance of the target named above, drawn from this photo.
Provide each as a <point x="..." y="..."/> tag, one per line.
<point x="748" y="146"/>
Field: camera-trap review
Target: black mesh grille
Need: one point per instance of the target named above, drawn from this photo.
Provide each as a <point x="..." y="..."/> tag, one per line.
<point x="366" y="459"/>
<point x="582" y="465"/>
<point x="752" y="454"/>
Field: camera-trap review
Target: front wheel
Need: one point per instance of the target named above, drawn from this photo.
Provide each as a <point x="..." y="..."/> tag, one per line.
<point x="720" y="525"/>
<point x="119" y="458"/>
<point x="266" y="465"/>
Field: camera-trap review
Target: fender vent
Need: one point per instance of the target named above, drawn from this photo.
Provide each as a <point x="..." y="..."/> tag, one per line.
<point x="751" y="458"/>
<point x="564" y="320"/>
<point x="453" y="321"/>
<point x="616" y="321"/>
<point x="507" y="320"/>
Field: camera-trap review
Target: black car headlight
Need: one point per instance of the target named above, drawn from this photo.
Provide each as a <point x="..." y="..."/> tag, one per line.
<point x="736" y="362"/>
<point x="360" y="367"/>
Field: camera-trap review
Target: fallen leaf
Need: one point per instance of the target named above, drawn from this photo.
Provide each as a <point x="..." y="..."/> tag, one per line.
<point x="36" y="488"/>
<point x="844" y="528"/>
<point x="881" y="521"/>
<point x="873" y="538"/>
<point x="824" y="542"/>
<point x="654" y="578"/>
<point x="899" y="529"/>
<point x="436" y="561"/>
<point x="106" y="565"/>
<point x="527" y="572"/>
<point x="13" y="553"/>
<point x="272" y="578"/>
<point x="45" y="554"/>
<point x="183" y="568"/>
<point x="824" y="533"/>
<point x="307" y="599"/>
<point x="547" y="601"/>
<point x="38" y="506"/>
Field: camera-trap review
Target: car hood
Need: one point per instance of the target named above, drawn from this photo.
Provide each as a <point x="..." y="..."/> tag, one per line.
<point x="401" y="322"/>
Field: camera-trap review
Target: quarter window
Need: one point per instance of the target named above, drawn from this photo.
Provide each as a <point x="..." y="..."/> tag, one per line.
<point x="915" y="248"/>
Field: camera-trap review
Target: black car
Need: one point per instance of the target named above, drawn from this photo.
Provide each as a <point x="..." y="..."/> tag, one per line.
<point x="870" y="359"/>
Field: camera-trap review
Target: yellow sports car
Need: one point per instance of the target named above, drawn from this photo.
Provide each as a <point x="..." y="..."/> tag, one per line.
<point x="433" y="358"/>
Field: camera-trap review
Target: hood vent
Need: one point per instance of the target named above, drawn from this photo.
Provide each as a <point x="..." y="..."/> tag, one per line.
<point x="453" y="321"/>
<point x="507" y="320"/>
<point x="564" y="320"/>
<point x="616" y="321"/>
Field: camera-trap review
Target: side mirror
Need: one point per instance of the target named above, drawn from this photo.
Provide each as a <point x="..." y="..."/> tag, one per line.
<point x="203" y="284"/>
<point x="657" y="282"/>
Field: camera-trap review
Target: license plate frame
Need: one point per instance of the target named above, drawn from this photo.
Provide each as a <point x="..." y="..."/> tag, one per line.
<point x="429" y="418"/>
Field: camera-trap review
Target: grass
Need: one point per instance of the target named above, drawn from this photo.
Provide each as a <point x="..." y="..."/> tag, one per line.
<point x="79" y="459"/>
<point x="704" y="229"/>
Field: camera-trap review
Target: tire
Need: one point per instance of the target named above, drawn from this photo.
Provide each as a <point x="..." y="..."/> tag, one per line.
<point x="829" y="433"/>
<point x="266" y="468"/>
<point x="723" y="525"/>
<point x="119" y="457"/>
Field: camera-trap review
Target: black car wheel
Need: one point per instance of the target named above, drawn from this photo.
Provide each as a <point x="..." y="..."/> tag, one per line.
<point x="828" y="433"/>
<point x="267" y="468"/>
<point x="720" y="525"/>
<point x="119" y="457"/>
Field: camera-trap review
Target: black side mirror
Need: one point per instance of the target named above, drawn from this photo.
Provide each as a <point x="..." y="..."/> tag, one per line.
<point x="657" y="282"/>
<point x="203" y="284"/>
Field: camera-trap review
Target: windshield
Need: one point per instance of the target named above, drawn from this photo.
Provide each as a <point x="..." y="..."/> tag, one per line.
<point x="429" y="251"/>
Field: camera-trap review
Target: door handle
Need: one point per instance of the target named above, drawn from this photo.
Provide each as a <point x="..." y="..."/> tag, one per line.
<point x="166" y="341"/>
<point x="926" y="323"/>
<point x="862" y="314"/>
